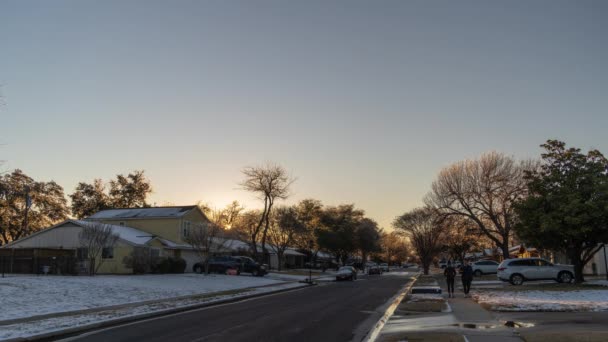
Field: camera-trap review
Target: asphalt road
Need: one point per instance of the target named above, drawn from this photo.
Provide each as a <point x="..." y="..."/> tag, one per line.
<point x="337" y="311"/>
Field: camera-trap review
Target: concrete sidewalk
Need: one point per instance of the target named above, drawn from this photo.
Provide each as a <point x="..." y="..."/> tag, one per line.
<point x="465" y="320"/>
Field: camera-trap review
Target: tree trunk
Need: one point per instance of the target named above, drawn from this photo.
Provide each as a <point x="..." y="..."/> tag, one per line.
<point x="505" y="250"/>
<point x="266" y="226"/>
<point x="280" y="258"/>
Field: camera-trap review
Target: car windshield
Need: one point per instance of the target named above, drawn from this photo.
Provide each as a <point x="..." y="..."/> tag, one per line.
<point x="345" y="268"/>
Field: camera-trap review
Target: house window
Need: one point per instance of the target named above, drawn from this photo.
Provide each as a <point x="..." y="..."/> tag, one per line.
<point x="155" y="252"/>
<point x="186" y="229"/>
<point x="121" y="223"/>
<point x="107" y="253"/>
<point x="82" y="253"/>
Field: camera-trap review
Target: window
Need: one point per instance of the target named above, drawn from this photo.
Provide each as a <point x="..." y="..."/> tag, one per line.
<point x="185" y="229"/>
<point x="540" y="262"/>
<point x="107" y="253"/>
<point x="121" y="223"/>
<point x="155" y="252"/>
<point x="522" y="263"/>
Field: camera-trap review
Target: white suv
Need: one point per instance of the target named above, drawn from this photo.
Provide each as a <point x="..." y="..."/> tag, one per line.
<point x="516" y="271"/>
<point x="482" y="267"/>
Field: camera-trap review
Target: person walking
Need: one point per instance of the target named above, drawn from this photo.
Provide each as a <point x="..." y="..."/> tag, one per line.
<point x="467" y="278"/>
<point x="450" y="274"/>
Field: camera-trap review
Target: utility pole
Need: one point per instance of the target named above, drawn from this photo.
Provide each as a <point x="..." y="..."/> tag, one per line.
<point x="605" y="262"/>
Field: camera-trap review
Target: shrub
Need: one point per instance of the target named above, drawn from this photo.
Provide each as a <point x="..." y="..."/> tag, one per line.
<point x="178" y="265"/>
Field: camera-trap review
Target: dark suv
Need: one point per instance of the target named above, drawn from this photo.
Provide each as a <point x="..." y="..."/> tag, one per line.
<point x="239" y="263"/>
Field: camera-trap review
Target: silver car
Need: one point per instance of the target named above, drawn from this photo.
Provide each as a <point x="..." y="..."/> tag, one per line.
<point x="516" y="271"/>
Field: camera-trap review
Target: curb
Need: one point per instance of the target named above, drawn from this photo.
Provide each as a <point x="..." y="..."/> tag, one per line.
<point x="60" y="334"/>
<point x="372" y="335"/>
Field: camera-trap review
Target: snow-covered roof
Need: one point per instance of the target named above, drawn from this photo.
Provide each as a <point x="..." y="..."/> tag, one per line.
<point x="132" y="235"/>
<point x="291" y="251"/>
<point x="128" y="213"/>
<point x="323" y="255"/>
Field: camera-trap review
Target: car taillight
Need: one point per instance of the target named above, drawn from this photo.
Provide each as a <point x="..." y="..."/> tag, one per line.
<point x="502" y="268"/>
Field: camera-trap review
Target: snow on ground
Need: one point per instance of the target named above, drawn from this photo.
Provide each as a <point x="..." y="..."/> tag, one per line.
<point x="25" y="296"/>
<point x="577" y="300"/>
<point x="286" y="276"/>
<point x="52" y="324"/>
<point x="597" y="282"/>
<point x="422" y="297"/>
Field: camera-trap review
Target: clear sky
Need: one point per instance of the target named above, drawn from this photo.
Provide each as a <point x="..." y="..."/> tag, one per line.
<point x="363" y="101"/>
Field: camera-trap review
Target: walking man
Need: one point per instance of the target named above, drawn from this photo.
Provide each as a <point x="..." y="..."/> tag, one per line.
<point x="467" y="278"/>
<point x="450" y="274"/>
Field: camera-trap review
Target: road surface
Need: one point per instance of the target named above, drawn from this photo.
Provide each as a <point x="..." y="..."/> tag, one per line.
<point x="337" y="311"/>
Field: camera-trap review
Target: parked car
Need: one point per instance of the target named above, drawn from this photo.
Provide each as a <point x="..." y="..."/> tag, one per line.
<point x="346" y="273"/>
<point x="444" y="264"/>
<point x="482" y="267"/>
<point x="374" y="270"/>
<point x="516" y="271"/>
<point x="224" y="263"/>
<point x="384" y="267"/>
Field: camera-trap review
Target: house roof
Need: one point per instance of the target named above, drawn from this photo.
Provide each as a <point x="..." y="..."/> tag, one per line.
<point x="128" y="234"/>
<point x="132" y="213"/>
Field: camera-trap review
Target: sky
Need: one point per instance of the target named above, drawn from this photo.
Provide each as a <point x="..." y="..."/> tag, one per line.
<point x="362" y="101"/>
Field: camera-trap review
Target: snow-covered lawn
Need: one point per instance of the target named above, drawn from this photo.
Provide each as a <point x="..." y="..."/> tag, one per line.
<point x="576" y="300"/>
<point x="53" y="324"/>
<point x="25" y="296"/>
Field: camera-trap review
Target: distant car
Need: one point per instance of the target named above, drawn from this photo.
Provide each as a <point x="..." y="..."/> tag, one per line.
<point x="482" y="267"/>
<point x="346" y="273"/>
<point x="374" y="270"/>
<point x="224" y="263"/>
<point x="444" y="264"/>
<point x="384" y="267"/>
<point x="516" y="271"/>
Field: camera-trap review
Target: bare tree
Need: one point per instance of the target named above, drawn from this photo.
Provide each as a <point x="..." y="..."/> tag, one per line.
<point x="269" y="182"/>
<point x="283" y="230"/>
<point x="226" y="217"/>
<point x="394" y="247"/>
<point x="462" y="236"/>
<point x="425" y="230"/>
<point x="95" y="237"/>
<point x="207" y="239"/>
<point x="485" y="191"/>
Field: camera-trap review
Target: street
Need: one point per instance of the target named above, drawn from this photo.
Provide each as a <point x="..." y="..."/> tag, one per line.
<point x="335" y="311"/>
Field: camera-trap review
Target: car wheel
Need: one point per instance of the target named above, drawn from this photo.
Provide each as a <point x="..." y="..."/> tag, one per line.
<point x="564" y="277"/>
<point x="255" y="272"/>
<point x="478" y="273"/>
<point x="516" y="279"/>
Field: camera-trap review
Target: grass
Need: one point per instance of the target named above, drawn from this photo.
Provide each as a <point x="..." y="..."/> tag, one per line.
<point x="422" y="337"/>
<point x="425" y="280"/>
<point x="548" y="287"/>
<point x="565" y="336"/>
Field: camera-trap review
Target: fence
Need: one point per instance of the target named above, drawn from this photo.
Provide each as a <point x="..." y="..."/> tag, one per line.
<point x="38" y="261"/>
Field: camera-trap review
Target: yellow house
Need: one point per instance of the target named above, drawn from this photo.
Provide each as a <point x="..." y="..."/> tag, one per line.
<point x="164" y="230"/>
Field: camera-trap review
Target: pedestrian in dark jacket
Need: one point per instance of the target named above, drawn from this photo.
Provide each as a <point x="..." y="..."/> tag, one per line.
<point x="467" y="278"/>
<point x="450" y="274"/>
